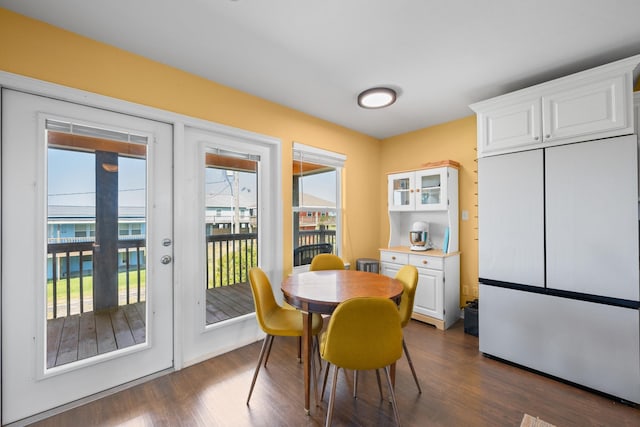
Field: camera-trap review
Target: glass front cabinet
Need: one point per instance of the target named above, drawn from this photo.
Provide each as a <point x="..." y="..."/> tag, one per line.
<point x="418" y="190"/>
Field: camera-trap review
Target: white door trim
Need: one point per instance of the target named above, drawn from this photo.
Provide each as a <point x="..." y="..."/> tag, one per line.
<point x="179" y="121"/>
<point x="26" y="371"/>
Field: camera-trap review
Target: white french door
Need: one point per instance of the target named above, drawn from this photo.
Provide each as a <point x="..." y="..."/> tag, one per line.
<point x="96" y="312"/>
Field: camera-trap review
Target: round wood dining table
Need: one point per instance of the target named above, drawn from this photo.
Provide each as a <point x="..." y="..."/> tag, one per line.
<point x="322" y="291"/>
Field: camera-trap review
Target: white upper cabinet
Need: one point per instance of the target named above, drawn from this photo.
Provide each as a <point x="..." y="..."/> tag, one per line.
<point x="401" y="191"/>
<point x="512" y="126"/>
<point x="593" y="104"/>
<point x="418" y="190"/>
<point x="587" y="110"/>
<point x="431" y="189"/>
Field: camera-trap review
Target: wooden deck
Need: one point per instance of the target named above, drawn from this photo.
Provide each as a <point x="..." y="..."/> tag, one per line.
<point x="81" y="336"/>
<point x="229" y="302"/>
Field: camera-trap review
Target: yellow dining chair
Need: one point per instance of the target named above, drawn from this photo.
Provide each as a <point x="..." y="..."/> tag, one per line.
<point x="273" y="319"/>
<point x="408" y="275"/>
<point x="363" y="334"/>
<point x="326" y="262"/>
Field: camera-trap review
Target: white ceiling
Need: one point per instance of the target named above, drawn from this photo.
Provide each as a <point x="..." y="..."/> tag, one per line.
<point x="316" y="55"/>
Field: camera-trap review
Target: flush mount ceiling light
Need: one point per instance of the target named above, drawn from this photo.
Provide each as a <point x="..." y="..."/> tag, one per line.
<point x="377" y="97"/>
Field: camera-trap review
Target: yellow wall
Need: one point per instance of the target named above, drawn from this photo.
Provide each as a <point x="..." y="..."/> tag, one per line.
<point x="449" y="141"/>
<point x="35" y="49"/>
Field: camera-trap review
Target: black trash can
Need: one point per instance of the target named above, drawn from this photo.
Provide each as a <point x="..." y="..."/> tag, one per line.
<point x="368" y="264"/>
<point x="471" y="318"/>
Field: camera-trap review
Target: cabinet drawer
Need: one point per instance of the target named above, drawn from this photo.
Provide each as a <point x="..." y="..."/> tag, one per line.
<point x="424" y="261"/>
<point x="394" y="257"/>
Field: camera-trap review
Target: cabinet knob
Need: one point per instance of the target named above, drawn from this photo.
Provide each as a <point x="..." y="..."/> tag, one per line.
<point x="393" y="258"/>
<point x="547" y="136"/>
<point x="424" y="261"/>
<point x="411" y="191"/>
<point x="417" y="190"/>
<point x="537" y="138"/>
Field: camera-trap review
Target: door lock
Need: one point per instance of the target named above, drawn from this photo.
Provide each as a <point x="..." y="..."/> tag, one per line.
<point x="165" y="259"/>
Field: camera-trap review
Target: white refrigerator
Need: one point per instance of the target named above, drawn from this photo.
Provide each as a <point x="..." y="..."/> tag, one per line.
<point x="559" y="262"/>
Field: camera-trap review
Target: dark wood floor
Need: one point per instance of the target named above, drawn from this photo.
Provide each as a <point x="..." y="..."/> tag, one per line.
<point x="460" y="388"/>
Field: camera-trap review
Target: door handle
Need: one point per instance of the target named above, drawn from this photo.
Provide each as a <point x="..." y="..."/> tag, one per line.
<point x="165" y="259"/>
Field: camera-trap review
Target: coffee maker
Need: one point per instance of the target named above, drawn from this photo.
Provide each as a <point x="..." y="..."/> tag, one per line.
<point x="419" y="236"/>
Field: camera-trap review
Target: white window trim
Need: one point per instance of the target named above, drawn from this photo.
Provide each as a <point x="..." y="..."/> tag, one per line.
<point x="320" y="156"/>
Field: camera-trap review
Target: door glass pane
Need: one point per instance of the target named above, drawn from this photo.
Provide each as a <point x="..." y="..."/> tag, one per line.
<point x="96" y="244"/>
<point x="231" y="234"/>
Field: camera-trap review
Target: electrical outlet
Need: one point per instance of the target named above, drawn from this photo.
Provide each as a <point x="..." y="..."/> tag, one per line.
<point x="465" y="215"/>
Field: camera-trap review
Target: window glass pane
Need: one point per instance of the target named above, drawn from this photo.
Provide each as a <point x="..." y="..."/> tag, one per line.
<point x="319" y="189"/>
<point x="315" y="211"/>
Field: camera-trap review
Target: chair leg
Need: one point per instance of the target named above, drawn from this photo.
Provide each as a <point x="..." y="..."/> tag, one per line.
<point x="299" y="349"/>
<point x="332" y="396"/>
<point x="413" y="371"/>
<point x="393" y="396"/>
<point x="355" y="384"/>
<point x="379" y="384"/>
<point x="268" y="340"/>
<point x="266" y="359"/>
<point x="317" y="341"/>
<point x="324" y="382"/>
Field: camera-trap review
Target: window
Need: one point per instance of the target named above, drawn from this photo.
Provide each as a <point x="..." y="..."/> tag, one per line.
<point x="136" y="229"/>
<point x="84" y="230"/>
<point x="317" y="213"/>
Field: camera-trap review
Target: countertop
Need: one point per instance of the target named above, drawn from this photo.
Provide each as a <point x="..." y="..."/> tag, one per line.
<point x="431" y="252"/>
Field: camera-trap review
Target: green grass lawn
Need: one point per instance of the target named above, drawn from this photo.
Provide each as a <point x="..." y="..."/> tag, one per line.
<point x="87" y="284"/>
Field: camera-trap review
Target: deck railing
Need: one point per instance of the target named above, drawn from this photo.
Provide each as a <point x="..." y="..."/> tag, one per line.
<point x="229" y="258"/>
<point x="71" y="265"/>
<point x="312" y="237"/>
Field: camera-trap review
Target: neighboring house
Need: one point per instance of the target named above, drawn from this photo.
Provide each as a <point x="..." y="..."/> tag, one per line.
<point x="223" y="210"/>
<point x="76" y="225"/>
<point x="315" y="217"/>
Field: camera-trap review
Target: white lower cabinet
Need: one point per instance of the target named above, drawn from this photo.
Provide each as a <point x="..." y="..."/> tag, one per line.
<point x="437" y="299"/>
<point x="429" y="300"/>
